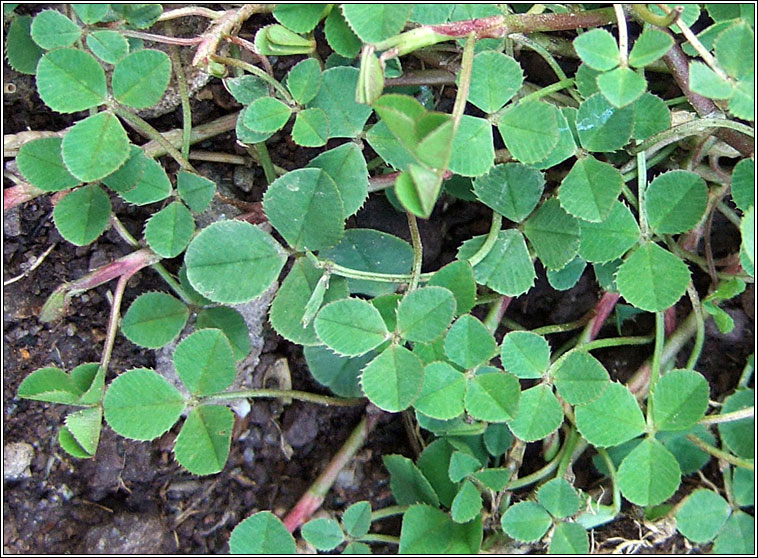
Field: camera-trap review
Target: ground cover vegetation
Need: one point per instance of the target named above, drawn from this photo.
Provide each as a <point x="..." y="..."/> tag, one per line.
<point x="596" y="170"/>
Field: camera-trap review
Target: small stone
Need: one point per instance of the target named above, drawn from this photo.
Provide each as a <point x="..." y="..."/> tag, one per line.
<point x="131" y="534"/>
<point x="17" y="457"/>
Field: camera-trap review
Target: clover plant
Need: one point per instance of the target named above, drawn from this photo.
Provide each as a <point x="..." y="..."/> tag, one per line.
<point x="578" y="176"/>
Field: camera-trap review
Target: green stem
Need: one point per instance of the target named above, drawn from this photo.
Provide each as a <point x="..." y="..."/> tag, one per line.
<point x="729" y="213"/>
<point x="181" y="82"/>
<point x="623" y="36"/>
<point x="691" y="128"/>
<point x="292" y="394"/>
<point x="721" y="454"/>
<point x="388" y="512"/>
<point x="547" y="57"/>
<point x="747" y="372"/>
<point x="648" y="16"/>
<point x="226" y="123"/>
<point x="612" y="470"/>
<point x="256" y="72"/>
<point x="700" y="334"/>
<point x="547" y="469"/>
<point x="264" y="158"/>
<point x="571" y="441"/>
<point x="377" y="537"/>
<point x="742" y="414"/>
<point x="489" y="242"/>
<point x="641" y="191"/>
<point x="151" y="133"/>
<point x="549" y="90"/>
<point x="337" y="269"/>
<point x="616" y="342"/>
<point x="418" y="251"/>
<point x="560" y="328"/>
<point x="655" y="369"/>
<point x="110" y="339"/>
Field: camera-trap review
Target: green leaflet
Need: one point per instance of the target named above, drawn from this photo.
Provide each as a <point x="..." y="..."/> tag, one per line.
<point x="306" y="208"/>
<point x="442" y="393"/>
<point x="611" y="419"/>
<point x="458" y="278"/>
<point x="507" y="268"/>
<point x="51" y="29"/>
<point x="610" y="238"/>
<point x="393" y="380"/>
<point x="108" y="46"/>
<point x="680" y="400"/>
<point x="70" y="80"/>
<point x="311" y="128"/>
<point x="467" y="503"/>
<point x="323" y="533"/>
<point x="603" y="127"/>
<point x="495" y="79"/>
<point x="569" y="538"/>
<point x="580" y="378"/>
<point x="621" y="86"/>
<point x="652" y="278"/>
<point x="233" y="262"/>
<point x="598" y="49"/>
<point x="195" y="190"/>
<point x="590" y="189"/>
<point x="407" y="482"/>
<point x="512" y="189"/>
<point x="347" y="167"/>
<point x="526" y="521"/>
<point x="340" y="374"/>
<point x="262" y="532"/>
<point x="337" y="98"/>
<point x="468" y="343"/>
<point x="202" y="445"/>
<point x="141" y="78"/>
<point x="493" y="397"/>
<point x="559" y="498"/>
<point x="649" y="475"/>
<point x="154" y="320"/>
<point x="41" y="164"/>
<point x="350" y="326"/>
<point x="231" y="323"/>
<point x="204" y="361"/>
<point x="83" y="214"/>
<point x="554" y="234"/>
<point x="424" y="314"/>
<point x="530" y="131"/>
<point x="539" y="414"/>
<point x="169" y="231"/>
<point x="142" y="405"/>
<point x="22" y="52"/>
<point x="702" y="516"/>
<point x="356" y="520"/>
<point x="675" y="201"/>
<point x="95" y="147"/>
<point x="376" y="22"/>
<point x="525" y="354"/>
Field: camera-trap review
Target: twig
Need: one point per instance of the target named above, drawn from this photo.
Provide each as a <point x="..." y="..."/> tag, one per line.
<point x="110" y="339"/>
<point x="418" y="251"/>
<point x="312" y="499"/>
<point x="34" y="266"/>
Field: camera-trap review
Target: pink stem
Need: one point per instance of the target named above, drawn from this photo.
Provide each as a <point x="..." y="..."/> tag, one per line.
<point x="603" y="309"/>
<point x="669" y="320"/>
<point x="21" y="193"/>
<point x="314" y="497"/>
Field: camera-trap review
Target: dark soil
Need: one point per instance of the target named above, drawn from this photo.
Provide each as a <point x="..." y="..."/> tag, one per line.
<point x="133" y="498"/>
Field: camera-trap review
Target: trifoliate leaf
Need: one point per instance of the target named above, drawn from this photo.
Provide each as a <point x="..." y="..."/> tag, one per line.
<point x="154" y="320"/>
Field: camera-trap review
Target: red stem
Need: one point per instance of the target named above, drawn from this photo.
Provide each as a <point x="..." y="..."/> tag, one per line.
<point x="21" y="193"/>
<point x="603" y="309"/>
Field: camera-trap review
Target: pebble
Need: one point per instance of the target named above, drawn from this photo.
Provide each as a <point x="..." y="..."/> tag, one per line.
<point x="131" y="534"/>
<point x="17" y="457"/>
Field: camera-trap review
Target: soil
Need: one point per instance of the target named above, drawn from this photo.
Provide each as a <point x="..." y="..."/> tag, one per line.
<point x="133" y="498"/>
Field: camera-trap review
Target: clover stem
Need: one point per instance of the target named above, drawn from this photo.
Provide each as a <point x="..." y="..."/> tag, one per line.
<point x="155" y="148"/>
<point x="161" y="38"/>
<point x="110" y="339"/>
<point x="623" y="35"/>
<point x="616" y="342"/>
<point x="655" y="369"/>
<point x="729" y="213"/>
<point x="292" y="394"/>
<point x="418" y="251"/>
<point x="547" y="57"/>
<point x="641" y="191"/>
<point x="700" y="334"/>
<point x="568" y="449"/>
<point x="312" y="499"/>
<point x="612" y="473"/>
<point x="489" y="242"/>
<point x="646" y="15"/>
<point x="256" y="72"/>
<point x="495" y="313"/>
<point x="721" y="454"/>
<point x="264" y="158"/>
<point x="747" y="373"/>
<point x="691" y="128"/>
<point x="151" y="133"/>
<point x="181" y="82"/>
<point x="388" y="512"/>
<point x="560" y="328"/>
<point x="377" y="537"/>
<point x="549" y="90"/>
<point x="190" y="11"/>
<point x="741" y="414"/>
